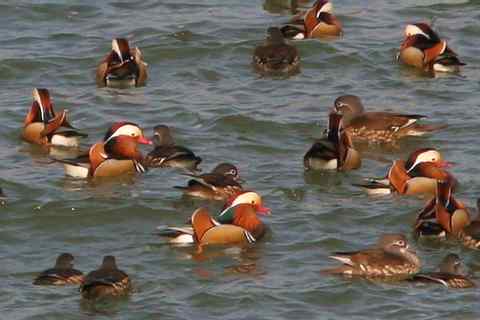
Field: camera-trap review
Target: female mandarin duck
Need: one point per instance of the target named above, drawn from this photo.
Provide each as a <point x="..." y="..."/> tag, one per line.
<point x="275" y="56"/>
<point x="62" y="273"/>
<point x="220" y="184"/>
<point x="450" y="274"/>
<point x="169" y="155"/>
<point x="241" y="210"/>
<point x="423" y="48"/>
<point x="106" y="281"/>
<point x="417" y="175"/>
<point x="42" y="126"/>
<point x="384" y="127"/>
<point x="335" y="152"/>
<point x="392" y="257"/>
<point x="122" y="67"/>
<point x="116" y="155"/>
<point x="317" y="22"/>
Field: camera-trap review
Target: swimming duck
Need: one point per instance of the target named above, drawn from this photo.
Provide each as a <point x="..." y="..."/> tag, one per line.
<point x="42" y="126"/>
<point x="317" y="22"/>
<point x="452" y="215"/>
<point x="423" y="48"/>
<point x="275" y="55"/>
<point x="220" y="184"/>
<point x="106" y="281"/>
<point x="417" y="175"/>
<point x="168" y="154"/>
<point x="450" y="274"/>
<point x="122" y="67"/>
<point x="116" y="155"/>
<point x="392" y="257"/>
<point x="382" y="127"/>
<point x="62" y="273"/>
<point x="334" y="152"/>
<point x="241" y="210"/>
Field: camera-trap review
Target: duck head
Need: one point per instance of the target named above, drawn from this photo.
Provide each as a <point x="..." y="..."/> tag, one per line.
<point x="162" y="136"/>
<point x="397" y="245"/>
<point x="64" y="261"/>
<point x="129" y="129"/>
<point x="422" y="29"/>
<point x="42" y="109"/>
<point x="248" y="197"/>
<point x="426" y="155"/>
<point x="228" y="170"/>
<point x="349" y="106"/>
<point x="274" y="36"/>
<point x="451" y="264"/>
<point x="109" y="263"/>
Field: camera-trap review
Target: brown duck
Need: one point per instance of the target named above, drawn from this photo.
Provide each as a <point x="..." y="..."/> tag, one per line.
<point x="167" y="154"/>
<point x="316" y="22"/>
<point x="417" y="175"/>
<point x="392" y="257"/>
<point x="334" y="152"/>
<point x="122" y="67"/>
<point x="117" y="154"/>
<point x="220" y="184"/>
<point x="275" y="55"/>
<point x="44" y="127"/>
<point x="62" y="273"/>
<point x="383" y="127"/>
<point x="106" y="281"/>
<point x="450" y="274"/>
<point x="423" y="49"/>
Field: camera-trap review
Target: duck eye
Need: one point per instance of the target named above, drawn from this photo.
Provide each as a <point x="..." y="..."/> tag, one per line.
<point x="253" y="201"/>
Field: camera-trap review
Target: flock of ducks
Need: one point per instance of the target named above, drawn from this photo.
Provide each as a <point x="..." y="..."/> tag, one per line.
<point x="423" y="172"/>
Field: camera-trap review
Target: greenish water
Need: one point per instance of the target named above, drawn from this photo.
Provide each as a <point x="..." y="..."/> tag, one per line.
<point x="201" y="83"/>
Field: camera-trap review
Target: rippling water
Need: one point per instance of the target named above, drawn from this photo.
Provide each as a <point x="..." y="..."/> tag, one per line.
<point x="201" y="83"/>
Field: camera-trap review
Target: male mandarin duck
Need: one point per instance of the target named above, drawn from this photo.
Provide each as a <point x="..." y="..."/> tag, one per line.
<point x="116" y="155"/>
<point x="275" y="55"/>
<point x="317" y="22"/>
<point x="106" y="281"/>
<point x="392" y="257"/>
<point x="335" y="152"/>
<point x="384" y="127"/>
<point x="220" y="184"/>
<point x="423" y="48"/>
<point x="122" y="67"/>
<point x="450" y="274"/>
<point x="452" y="215"/>
<point x="62" y="273"/>
<point x="167" y="154"/>
<point x="241" y="210"/>
<point x="417" y="175"/>
<point x="42" y="126"/>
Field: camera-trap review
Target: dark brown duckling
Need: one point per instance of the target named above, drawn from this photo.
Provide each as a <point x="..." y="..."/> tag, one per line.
<point x="275" y="55"/>
<point x="168" y="154"/>
<point x="62" y="273"/>
<point x="220" y="184"/>
<point x="107" y="281"/>
<point x="450" y="275"/>
<point x="380" y="127"/>
<point x="392" y="257"/>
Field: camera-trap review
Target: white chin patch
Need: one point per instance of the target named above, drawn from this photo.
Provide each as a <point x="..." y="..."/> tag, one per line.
<point x="411" y="30"/>
<point x="327" y="7"/>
